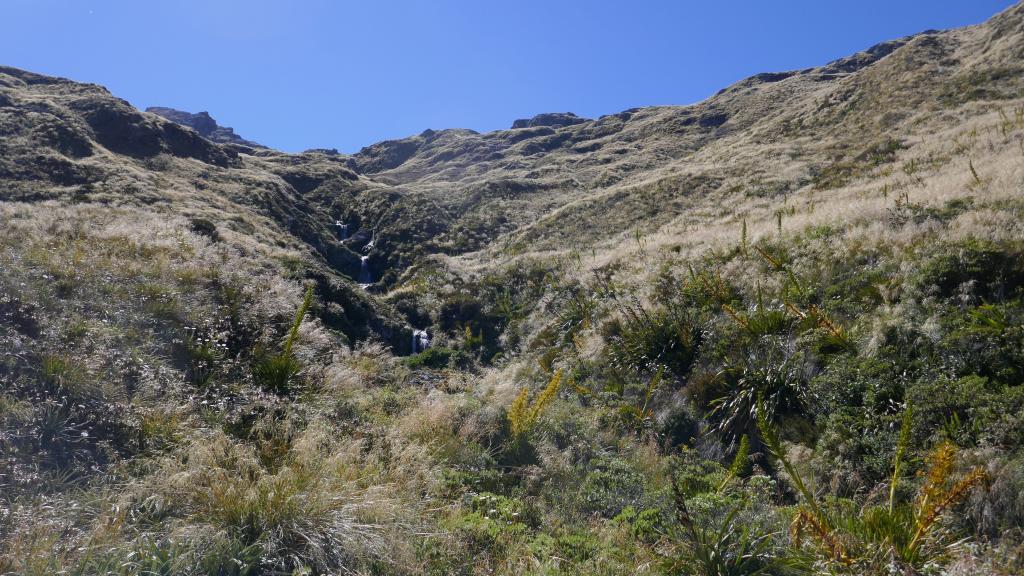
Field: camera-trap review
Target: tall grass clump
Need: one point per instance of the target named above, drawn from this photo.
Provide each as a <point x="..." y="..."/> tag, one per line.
<point x="727" y="548"/>
<point x="317" y="512"/>
<point x="274" y="372"/>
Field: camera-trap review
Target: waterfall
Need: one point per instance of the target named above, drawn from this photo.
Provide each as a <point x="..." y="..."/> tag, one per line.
<point x="342" y="229"/>
<point x="420" y="341"/>
<point x="365" y="277"/>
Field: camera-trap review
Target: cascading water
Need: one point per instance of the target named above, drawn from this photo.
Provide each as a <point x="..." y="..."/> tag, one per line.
<point x="342" y="229"/>
<point x="420" y="341"/>
<point x="365" y="277"/>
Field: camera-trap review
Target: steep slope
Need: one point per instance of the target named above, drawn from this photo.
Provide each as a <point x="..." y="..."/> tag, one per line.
<point x="559" y="180"/>
<point x="553" y="183"/>
<point x="779" y="133"/>
<point x="781" y="327"/>
<point x="74" y="143"/>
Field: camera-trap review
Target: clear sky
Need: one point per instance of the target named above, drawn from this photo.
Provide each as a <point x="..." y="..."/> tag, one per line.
<point x="343" y="74"/>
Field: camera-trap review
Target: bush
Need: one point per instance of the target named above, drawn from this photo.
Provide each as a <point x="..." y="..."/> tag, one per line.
<point x="205" y="227"/>
<point x="647" y="526"/>
<point x="986" y="270"/>
<point x="274" y="372"/>
<point x="771" y="377"/>
<point x="970" y="411"/>
<point x="987" y="340"/>
<point x="438" y="358"/>
<point x="610" y="485"/>
<point x="646" y="340"/>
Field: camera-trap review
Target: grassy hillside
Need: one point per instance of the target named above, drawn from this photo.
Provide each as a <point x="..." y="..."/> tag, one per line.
<point x="775" y="332"/>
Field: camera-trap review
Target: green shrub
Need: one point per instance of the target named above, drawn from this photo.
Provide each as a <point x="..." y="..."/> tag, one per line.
<point x="274" y="372"/>
<point x="988" y="270"/>
<point x="987" y="340"/>
<point x="466" y="317"/>
<point x="437" y="358"/>
<point x="577" y="547"/>
<point x="647" y="526"/>
<point x="730" y="548"/>
<point x="205" y="227"/>
<point x="204" y="352"/>
<point x="646" y="340"/>
<point x="772" y="377"/>
<point x="610" y="485"/>
<point x="971" y="410"/>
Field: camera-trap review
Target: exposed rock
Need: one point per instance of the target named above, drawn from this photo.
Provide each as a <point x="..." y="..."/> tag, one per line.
<point x="203" y="123"/>
<point x="863" y="59"/>
<point x="555" y="119"/>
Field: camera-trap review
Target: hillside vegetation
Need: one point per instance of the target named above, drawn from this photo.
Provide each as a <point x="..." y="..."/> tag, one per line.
<point x="780" y="331"/>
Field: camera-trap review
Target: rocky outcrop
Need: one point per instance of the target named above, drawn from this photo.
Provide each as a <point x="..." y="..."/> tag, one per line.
<point x="204" y="124"/>
<point x="553" y="119"/>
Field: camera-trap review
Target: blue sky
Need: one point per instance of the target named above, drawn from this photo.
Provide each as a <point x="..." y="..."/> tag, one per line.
<point x="344" y="74"/>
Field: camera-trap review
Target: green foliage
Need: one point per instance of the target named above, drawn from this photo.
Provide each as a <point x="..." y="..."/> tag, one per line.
<point x="609" y="487"/>
<point x="205" y="352"/>
<point x="741" y="465"/>
<point x="647" y="341"/>
<point x="762" y="321"/>
<point x="437" y="358"/>
<point x="640" y="416"/>
<point x="692" y="475"/>
<point x="873" y="536"/>
<point x="901" y="450"/>
<point x="987" y="270"/>
<point x="987" y="340"/>
<point x="729" y="548"/>
<point x="972" y="410"/>
<point x="205" y="227"/>
<point x="842" y="172"/>
<point x="388" y="465"/>
<point x="648" y="526"/>
<point x="770" y="380"/>
<point x="483" y="532"/>
<point x="275" y="372"/>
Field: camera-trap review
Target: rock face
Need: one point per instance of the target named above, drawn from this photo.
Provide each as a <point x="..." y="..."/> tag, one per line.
<point x="203" y="123"/>
<point x="552" y="119"/>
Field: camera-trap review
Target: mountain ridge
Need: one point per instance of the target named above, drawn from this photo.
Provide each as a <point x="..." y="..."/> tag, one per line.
<point x="438" y="182"/>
